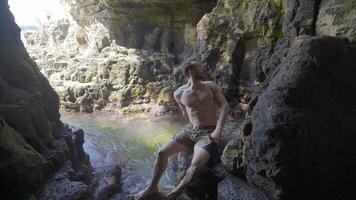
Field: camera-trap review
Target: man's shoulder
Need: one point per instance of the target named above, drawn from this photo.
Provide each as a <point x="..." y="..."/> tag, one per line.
<point x="180" y="90"/>
<point x="211" y="84"/>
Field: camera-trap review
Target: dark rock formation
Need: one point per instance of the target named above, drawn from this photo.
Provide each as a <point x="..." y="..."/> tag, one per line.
<point x="300" y="17"/>
<point x="235" y="40"/>
<point x="301" y="142"/>
<point x="63" y="185"/>
<point x="34" y="143"/>
<point x="27" y="101"/>
<point x="296" y="141"/>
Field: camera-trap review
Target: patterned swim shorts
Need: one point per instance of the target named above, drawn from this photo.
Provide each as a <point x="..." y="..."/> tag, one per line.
<point x="200" y="135"/>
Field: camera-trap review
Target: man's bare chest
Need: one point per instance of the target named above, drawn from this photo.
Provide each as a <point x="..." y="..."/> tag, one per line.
<point x="196" y="98"/>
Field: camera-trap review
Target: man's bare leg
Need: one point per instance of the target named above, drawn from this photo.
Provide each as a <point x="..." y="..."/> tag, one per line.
<point x="167" y="149"/>
<point x="199" y="161"/>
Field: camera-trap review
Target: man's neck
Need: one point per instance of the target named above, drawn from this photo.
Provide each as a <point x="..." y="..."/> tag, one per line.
<point x="194" y="83"/>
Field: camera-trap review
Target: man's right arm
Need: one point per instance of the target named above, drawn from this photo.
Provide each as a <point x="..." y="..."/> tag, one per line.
<point x="177" y="94"/>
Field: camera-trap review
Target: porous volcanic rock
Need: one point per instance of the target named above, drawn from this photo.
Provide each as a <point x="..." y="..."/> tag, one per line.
<point x="299" y="142"/>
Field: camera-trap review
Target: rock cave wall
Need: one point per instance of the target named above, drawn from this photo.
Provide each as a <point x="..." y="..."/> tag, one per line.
<point x="296" y="131"/>
<point x="34" y="143"/>
<point x="154" y="25"/>
<point x="272" y="58"/>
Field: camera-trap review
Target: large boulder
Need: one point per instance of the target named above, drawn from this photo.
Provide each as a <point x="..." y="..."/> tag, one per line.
<point x="301" y="142"/>
<point x="205" y="186"/>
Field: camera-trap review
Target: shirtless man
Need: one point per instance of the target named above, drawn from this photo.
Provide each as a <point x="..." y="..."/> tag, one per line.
<point x="199" y="102"/>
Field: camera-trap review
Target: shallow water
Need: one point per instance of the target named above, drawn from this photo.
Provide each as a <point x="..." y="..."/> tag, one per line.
<point x="131" y="143"/>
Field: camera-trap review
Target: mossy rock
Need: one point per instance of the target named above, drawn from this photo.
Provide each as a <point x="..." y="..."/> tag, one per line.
<point x="119" y="75"/>
<point x="119" y="95"/>
<point x="152" y="89"/>
<point x="137" y="90"/>
<point x="166" y="95"/>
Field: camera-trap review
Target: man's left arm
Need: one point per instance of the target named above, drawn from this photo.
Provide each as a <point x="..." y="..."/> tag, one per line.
<point x="223" y="114"/>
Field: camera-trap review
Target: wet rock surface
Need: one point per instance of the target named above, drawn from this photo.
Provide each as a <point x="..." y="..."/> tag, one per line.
<point x="64" y="186"/>
<point x="232" y="187"/>
<point x="108" y="182"/>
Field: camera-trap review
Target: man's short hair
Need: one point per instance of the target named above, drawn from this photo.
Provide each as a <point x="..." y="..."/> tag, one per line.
<point x="189" y="66"/>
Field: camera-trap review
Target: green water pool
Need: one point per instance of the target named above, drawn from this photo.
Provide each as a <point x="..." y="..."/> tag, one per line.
<point x="129" y="142"/>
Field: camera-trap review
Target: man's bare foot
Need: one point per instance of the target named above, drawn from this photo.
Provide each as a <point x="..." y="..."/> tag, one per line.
<point x="172" y="195"/>
<point x="146" y="192"/>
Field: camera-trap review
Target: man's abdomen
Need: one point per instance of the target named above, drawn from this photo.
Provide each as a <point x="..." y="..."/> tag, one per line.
<point x="205" y="115"/>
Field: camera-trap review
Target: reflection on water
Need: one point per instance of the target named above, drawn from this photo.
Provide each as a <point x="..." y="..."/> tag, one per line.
<point x="131" y="143"/>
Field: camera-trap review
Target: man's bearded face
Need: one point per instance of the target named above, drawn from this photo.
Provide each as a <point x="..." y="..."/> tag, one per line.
<point x="198" y="72"/>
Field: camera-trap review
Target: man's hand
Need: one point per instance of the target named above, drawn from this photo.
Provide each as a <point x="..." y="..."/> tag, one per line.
<point x="215" y="136"/>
